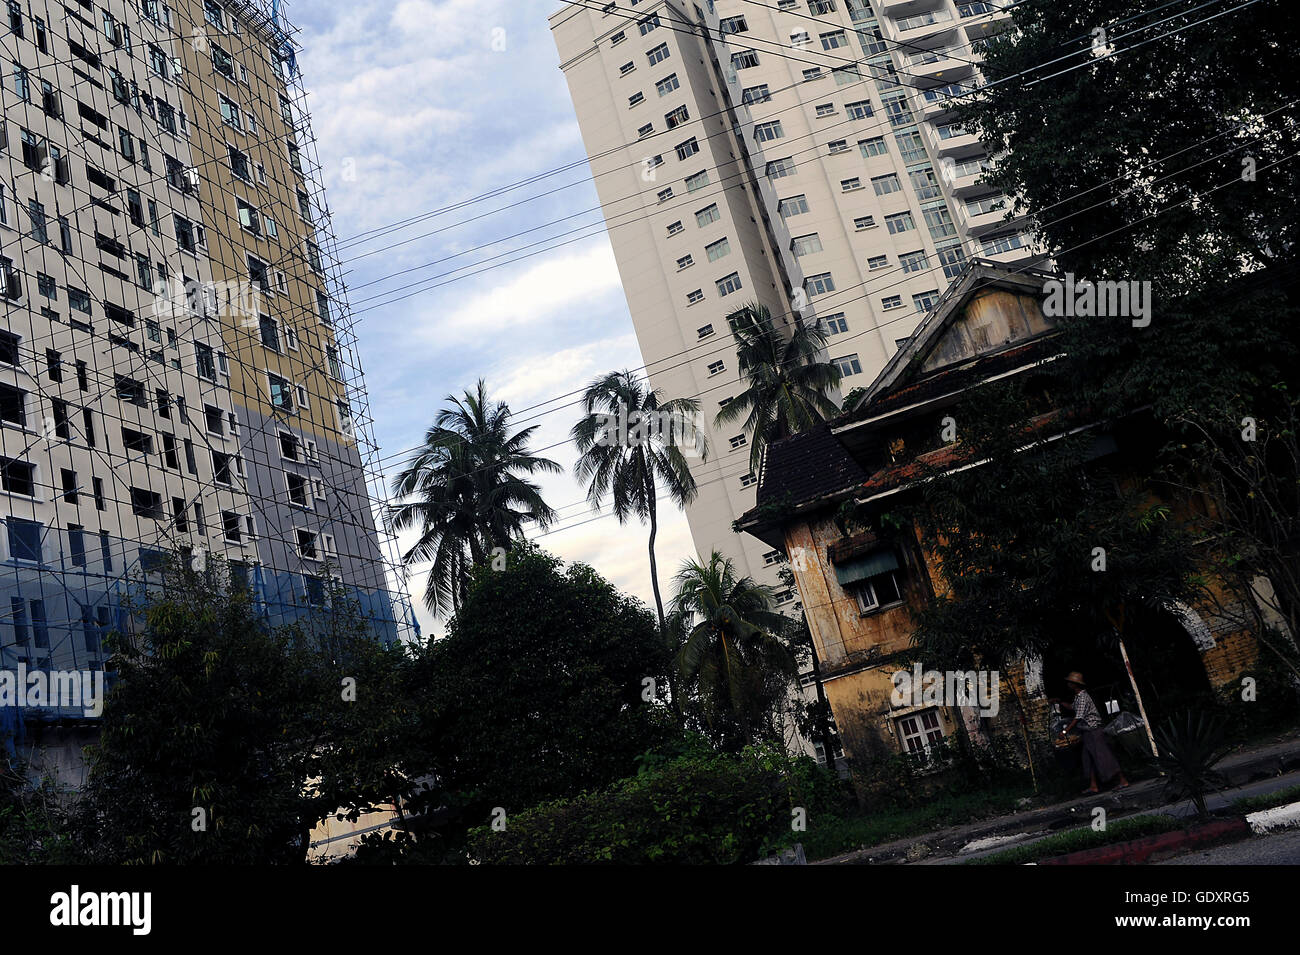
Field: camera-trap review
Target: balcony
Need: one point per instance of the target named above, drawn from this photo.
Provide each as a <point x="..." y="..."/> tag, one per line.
<point x="938" y="100"/>
<point x="964" y="176"/>
<point x="940" y="65"/>
<point x="982" y="220"/>
<point x="950" y="139"/>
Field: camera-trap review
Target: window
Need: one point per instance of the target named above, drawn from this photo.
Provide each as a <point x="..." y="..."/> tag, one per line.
<point x="13" y="405"/>
<point x="667" y="84"/>
<point x="221" y="467"/>
<point x="766" y="132"/>
<point x="717" y="367"/>
<point x="873" y="147"/>
<point x="704" y="331"/>
<point x="297" y="487"/>
<point x="281" y="392"/>
<point x="222" y="62"/>
<point x="717" y="250"/>
<point x="744" y="59"/>
<point x="838" y="146"/>
<point x="925" y="183"/>
<point x="205" y="362"/>
<point x="733" y="25"/>
<point x="834" y="40"/>
<point x="891" y="302"/>
<point x="665" y="194"/>
<point x="68" y="481"/>
<point x="36" y="212"/>
<point x="755" y="94"/>
<point x="813" y="73"/>
<point x="913" y="261"/>
<point x="939" y="220"/>
<point x="806" y="244"/>
<point x="859" y="110"/>
<point x="919" y="732"/>
<point x="18" y="477"/>
<point x="687" y="149"/>
<point x="884" y="185"/>
<point x="925" y="300"/>
<point x="899" y="222"/>
<point x="779" y="168"/>
<point x="816" y="7"/>
<point x="676" y="117"/>
<point x="707" y="215"/>
<point x="675" y="227"/>
<point x="232" y="526"/>
<point x="617" y="38"/>
<point x="819" y="284"/>
<point x="864" y="222"/>
<point x="146" y="503"/>
<point x="737" y="441"/>
<point x="249" y="218"/>
<point x="826" y="109"/>
<point x="685" y="262"/>
<point x="730" y="284"/>
<point x="648" y="23"/>
<point x="697" y="182"/>
<point x="645" y="130"/>
<point x="695" y="297"/>
<point x="24" y="538"/>
<point x="748" y="479"/>
<point x="626" y="68"/>
<point x="636" y="98"/>
<point x="851" y="184"/>
<point x="238" y="162"/>
<point x="795" y="205"/>
<point x="835" y="324"/>
<point x="848" y="365"/>
<point x="658" y="54"/>
<point x="877" y="262"/>
<point x="952" y="258"/>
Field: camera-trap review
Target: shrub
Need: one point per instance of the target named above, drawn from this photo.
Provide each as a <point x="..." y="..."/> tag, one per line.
<point x="696" y="809"/>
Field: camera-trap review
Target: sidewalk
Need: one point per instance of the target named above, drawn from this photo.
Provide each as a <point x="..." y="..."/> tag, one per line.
<point x="1259" y="769"/>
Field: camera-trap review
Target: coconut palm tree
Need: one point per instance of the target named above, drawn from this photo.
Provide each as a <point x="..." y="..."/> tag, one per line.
<point x="633" y="463"/>
<point x="787" y="379"/>
<point x="732" y="657"/>
<point x="466" y="489"/>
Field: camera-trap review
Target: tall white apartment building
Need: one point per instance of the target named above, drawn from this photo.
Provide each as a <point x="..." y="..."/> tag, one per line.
<point x="799" y="153"/>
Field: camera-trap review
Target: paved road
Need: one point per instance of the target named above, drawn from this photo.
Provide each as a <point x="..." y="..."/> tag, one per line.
<point x="1281" y="848"/>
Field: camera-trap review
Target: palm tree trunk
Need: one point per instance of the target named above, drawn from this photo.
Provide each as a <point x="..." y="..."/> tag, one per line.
<point x="659" y="606"/>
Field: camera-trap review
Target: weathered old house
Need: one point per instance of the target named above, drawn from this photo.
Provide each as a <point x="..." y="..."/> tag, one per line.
<point x="859" y="588"/>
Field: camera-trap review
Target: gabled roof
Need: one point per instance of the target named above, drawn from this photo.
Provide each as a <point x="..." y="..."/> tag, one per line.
<point x="978" y="275"/>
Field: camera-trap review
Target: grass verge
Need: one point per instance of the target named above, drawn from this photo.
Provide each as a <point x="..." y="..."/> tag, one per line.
<point x="1073" y="840"/>
<point x="1266" y="800"/>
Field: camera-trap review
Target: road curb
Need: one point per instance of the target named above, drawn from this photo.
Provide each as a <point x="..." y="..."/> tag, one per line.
<point x="1162" y="845"/>
<point x="1280" y="817"/>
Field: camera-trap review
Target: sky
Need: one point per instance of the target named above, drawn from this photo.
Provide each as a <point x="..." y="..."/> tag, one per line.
<point x="418" y="105"/>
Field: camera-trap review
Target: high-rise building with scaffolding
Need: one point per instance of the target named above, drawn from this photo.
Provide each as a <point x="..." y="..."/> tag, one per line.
<point x="178" y="367"/>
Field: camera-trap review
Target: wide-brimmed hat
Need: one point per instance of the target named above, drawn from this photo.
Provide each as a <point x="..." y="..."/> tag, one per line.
<point x="1076" y="678"/>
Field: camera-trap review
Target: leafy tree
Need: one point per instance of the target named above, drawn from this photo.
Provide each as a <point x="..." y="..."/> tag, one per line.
<point x="225" y="740"/>
<point x="787" y="379"/>
<point x="467" y="492"/>
<point x="539" y="690"/>
<point x="734" y="661"/>
<point x="1186" y="179"/>
<point x="632" y="473"/>
<point x="1037" y="545"/>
